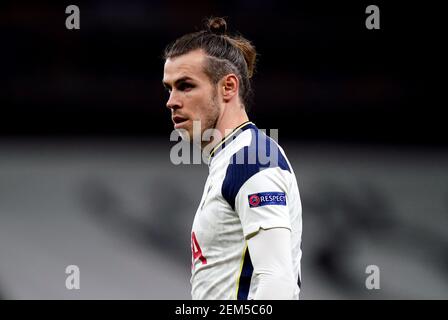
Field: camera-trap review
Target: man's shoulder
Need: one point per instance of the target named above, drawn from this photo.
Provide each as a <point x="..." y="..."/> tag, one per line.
<point x="255" y="150"/>
<point x="251" y="158"/>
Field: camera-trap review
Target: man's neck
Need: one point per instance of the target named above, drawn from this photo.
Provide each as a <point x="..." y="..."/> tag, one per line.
<point x="228" y="121"/>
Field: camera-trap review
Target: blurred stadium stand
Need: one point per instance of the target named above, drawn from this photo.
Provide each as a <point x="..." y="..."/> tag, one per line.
<point x="123" y="214"/>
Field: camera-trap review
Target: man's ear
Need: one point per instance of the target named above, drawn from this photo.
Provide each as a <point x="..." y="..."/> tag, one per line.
<point x="229" y="87"/>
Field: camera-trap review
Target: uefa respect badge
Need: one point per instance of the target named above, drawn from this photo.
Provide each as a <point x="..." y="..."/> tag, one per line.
<point x="267" y="198"/>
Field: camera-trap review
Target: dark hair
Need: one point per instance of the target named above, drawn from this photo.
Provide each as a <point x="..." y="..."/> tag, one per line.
<point x="225" y="54"/>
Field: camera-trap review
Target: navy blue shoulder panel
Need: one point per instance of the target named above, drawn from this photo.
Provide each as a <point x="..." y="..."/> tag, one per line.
<point x="261" y="154"/>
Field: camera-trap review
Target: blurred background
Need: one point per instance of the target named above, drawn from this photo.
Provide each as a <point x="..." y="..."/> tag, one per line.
<point x="85" y="172"/>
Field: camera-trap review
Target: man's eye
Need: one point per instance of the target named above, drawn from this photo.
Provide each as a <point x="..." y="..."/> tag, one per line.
<point x="185" y="87"/>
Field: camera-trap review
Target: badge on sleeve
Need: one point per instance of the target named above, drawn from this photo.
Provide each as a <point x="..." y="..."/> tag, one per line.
<point x="267" y="198"/>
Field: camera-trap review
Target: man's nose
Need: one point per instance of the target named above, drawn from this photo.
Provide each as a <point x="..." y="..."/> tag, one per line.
<point x="173" y="102"/>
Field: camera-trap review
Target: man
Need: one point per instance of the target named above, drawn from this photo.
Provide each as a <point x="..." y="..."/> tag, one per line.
<point x="246" y="235"/>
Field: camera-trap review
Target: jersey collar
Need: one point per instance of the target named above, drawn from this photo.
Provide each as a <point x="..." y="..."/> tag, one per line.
<point x="227" y="139"/>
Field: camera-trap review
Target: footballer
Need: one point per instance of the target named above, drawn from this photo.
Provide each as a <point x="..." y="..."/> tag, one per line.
<point x="246" y="234"/>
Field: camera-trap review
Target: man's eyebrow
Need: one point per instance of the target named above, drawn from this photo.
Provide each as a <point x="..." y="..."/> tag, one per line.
<point x="178" y="81"/>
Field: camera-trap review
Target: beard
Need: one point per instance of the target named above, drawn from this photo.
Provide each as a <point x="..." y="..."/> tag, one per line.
<point x="209" y="120"/>
<point x="211" y="114"/>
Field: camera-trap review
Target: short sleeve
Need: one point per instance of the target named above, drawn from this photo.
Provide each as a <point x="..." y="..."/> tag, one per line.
<point x="262" y="201"/>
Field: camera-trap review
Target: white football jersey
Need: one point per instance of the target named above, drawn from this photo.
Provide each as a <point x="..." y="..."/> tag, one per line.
<point x="251" y="185"/>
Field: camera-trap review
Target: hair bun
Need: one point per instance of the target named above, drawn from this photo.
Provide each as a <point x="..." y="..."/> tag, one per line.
<point x="217" y="25"/>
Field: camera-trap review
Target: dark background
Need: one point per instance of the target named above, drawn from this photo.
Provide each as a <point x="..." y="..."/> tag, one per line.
<point x="321" y="75"/>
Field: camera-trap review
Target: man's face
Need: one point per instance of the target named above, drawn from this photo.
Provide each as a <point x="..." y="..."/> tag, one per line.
<point x="193" y="97"/>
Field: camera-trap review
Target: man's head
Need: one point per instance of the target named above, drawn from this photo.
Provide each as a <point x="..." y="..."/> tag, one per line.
<point x="204" y="71"/>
